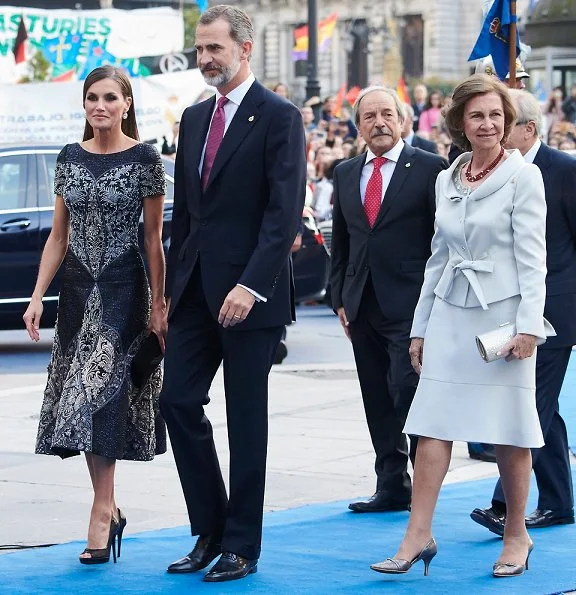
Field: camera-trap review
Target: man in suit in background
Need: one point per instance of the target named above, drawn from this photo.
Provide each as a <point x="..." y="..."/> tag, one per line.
<point x="383" y="221"/>
<point x="551" y="463"/>
<point x="239" y="190"/>
<point x="408" y="135"/>
<point x="419" y="105"/>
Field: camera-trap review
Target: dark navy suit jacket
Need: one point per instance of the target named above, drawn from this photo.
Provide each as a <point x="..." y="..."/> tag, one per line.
<point x="241" y="228"/>
<point x="559" y="174"/>
<point x="394" y="252"/>
<point x="426" y="145"/>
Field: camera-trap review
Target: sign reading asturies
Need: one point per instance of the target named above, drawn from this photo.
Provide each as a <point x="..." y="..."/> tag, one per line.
<point x="124" y="33"/>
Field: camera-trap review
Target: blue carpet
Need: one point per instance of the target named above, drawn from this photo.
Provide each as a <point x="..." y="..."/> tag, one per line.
<point x="568" y="402"/>
<point x="315" y="549"/>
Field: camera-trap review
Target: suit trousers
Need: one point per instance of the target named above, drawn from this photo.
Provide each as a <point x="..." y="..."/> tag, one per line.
<point x="551" y="463"/>
<point x="388" y="383"/>
<point x="195" y="346"/>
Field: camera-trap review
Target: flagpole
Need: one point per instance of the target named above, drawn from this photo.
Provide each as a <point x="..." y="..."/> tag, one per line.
<point x="512" y="46"/>
<point x="312" y="82"/>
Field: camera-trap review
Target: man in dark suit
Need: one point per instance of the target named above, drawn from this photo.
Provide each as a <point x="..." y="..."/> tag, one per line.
<point x="551" y="463"/>
<point x="383" y="220"/>
<point x="419" y="105"/>
<point x="239" y="192"/>
<point x="408" y="135"/>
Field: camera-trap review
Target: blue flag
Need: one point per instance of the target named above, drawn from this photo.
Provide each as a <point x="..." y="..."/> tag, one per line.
<point x="62" y="50"/>
<point x="494" y="36"/>
<point x="202" y="5"/>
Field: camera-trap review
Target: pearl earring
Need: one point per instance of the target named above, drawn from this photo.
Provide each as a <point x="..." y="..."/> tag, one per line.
<point x="125" y="116"/>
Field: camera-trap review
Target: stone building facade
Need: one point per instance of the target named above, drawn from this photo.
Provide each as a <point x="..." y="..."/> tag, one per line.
<point x="375" y="41"/>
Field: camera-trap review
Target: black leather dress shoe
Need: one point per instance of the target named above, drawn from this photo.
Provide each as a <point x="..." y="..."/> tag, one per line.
<point x="490" y="518"/>
<point x="546" y="518"/>
<point x="231" y="567"/>
<point x="206" y="549"/>
<point x="379" y="502"/>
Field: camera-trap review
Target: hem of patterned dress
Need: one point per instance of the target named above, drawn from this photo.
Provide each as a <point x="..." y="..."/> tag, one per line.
<point x="66" y="453"/>
<point x="454" y="412"/>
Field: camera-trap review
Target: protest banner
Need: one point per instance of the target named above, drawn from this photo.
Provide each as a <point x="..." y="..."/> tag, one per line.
<point x="66" y="37"/>
<point x="49" y="112"/>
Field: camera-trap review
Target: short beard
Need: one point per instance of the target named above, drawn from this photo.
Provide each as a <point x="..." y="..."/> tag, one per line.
<point x="226" y="74"/>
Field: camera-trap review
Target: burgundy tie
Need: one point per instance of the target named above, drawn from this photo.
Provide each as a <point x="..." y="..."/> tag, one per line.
<point x="215" y="135"/>
<point x="373" y="196"/>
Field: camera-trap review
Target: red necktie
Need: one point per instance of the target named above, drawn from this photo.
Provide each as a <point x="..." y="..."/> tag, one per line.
<point x="373" y="196"/>
<point x="215" y="135"/>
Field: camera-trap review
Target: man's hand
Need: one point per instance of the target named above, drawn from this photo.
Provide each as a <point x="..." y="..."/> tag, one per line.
<point x="236" y="307"/>
<point x="297" y="244"/>
<point x="416" y="350"/>
<point x="520" y="347"/>
<point x="344" y="322"/>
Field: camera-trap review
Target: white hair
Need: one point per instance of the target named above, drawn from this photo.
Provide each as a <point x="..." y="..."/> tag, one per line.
<point x="388" y="91"/>
<point x="408" y="111"/>
<point x="527" y="109"/>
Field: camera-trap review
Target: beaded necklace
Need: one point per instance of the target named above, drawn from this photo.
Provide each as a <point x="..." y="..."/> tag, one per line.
<point x="484" y="172"/>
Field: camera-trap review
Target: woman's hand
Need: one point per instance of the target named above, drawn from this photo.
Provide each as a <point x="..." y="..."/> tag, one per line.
<point x="158" y="324"/>
<point x="32" y="318"/>
<point x="416" y="350"/>
<point x="520" y="347"/>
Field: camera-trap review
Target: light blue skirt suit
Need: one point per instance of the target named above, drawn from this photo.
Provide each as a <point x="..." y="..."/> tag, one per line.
<point x="488" y="267"/>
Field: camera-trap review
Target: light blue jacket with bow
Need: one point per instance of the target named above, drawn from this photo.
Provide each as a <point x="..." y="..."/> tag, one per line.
<point x="489" y="245"/>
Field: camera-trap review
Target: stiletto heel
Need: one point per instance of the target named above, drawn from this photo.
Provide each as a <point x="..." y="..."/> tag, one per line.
<point x="399" y="566"/>
<point x="504" y="569"/>
<point x="426" y="565"/>
<point x="113" y="547"/>
<point x="120" y="529"/>
<point x="102" y="555"/>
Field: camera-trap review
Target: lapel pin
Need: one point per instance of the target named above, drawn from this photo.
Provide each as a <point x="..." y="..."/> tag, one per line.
<point x="251" y="119"/>
<point x="408" y="165"/>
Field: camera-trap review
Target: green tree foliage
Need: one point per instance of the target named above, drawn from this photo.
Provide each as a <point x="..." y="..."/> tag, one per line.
<point x="190" y="14"/>
<point x="39" y="68"/>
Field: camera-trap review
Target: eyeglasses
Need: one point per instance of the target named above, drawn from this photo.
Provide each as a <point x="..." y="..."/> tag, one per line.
<point x="523" y="122"/>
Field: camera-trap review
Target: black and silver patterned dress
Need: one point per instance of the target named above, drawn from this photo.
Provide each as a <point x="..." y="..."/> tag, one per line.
<point x="90" y="403"/>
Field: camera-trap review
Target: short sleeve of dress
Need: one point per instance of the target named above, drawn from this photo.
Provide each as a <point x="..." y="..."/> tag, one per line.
<point x="152" y="181"/>
<point x="60" y="173"/>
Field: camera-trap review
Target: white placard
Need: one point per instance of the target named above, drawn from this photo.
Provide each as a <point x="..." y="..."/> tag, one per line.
<point x="124" y="33"/>
<point x="53" y="112"/>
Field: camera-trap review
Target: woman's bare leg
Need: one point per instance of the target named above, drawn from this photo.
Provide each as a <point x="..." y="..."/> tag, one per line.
<point x="102" y="473"/>
<point x="515" y="466"/>
<point x="432" y="462"/>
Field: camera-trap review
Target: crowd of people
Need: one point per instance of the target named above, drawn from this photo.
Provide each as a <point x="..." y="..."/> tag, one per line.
<point x="331" y="135"/>
<point x="436" y="269"/>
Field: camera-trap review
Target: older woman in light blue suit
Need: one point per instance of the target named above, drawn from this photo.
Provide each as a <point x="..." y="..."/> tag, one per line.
<point x="487" y="268"/>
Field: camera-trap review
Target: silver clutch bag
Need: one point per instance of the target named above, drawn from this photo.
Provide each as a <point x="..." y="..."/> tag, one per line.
<point x="490" y="343"/>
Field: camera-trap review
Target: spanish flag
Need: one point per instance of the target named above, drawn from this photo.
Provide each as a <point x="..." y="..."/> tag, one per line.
<point x="402" y="92"/>
<point x="352" y="95"/>
<point x="340" y="100"/>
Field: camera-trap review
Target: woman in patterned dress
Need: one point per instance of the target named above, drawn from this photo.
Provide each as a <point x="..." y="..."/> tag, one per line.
<point x="106" y="306"/>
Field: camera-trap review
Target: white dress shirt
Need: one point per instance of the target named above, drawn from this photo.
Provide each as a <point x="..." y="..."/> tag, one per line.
<point x="235" y="98"/>
<point x="409" y="138"/>
<point x="387" y="169"/>
<point x="531" y="154"/>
